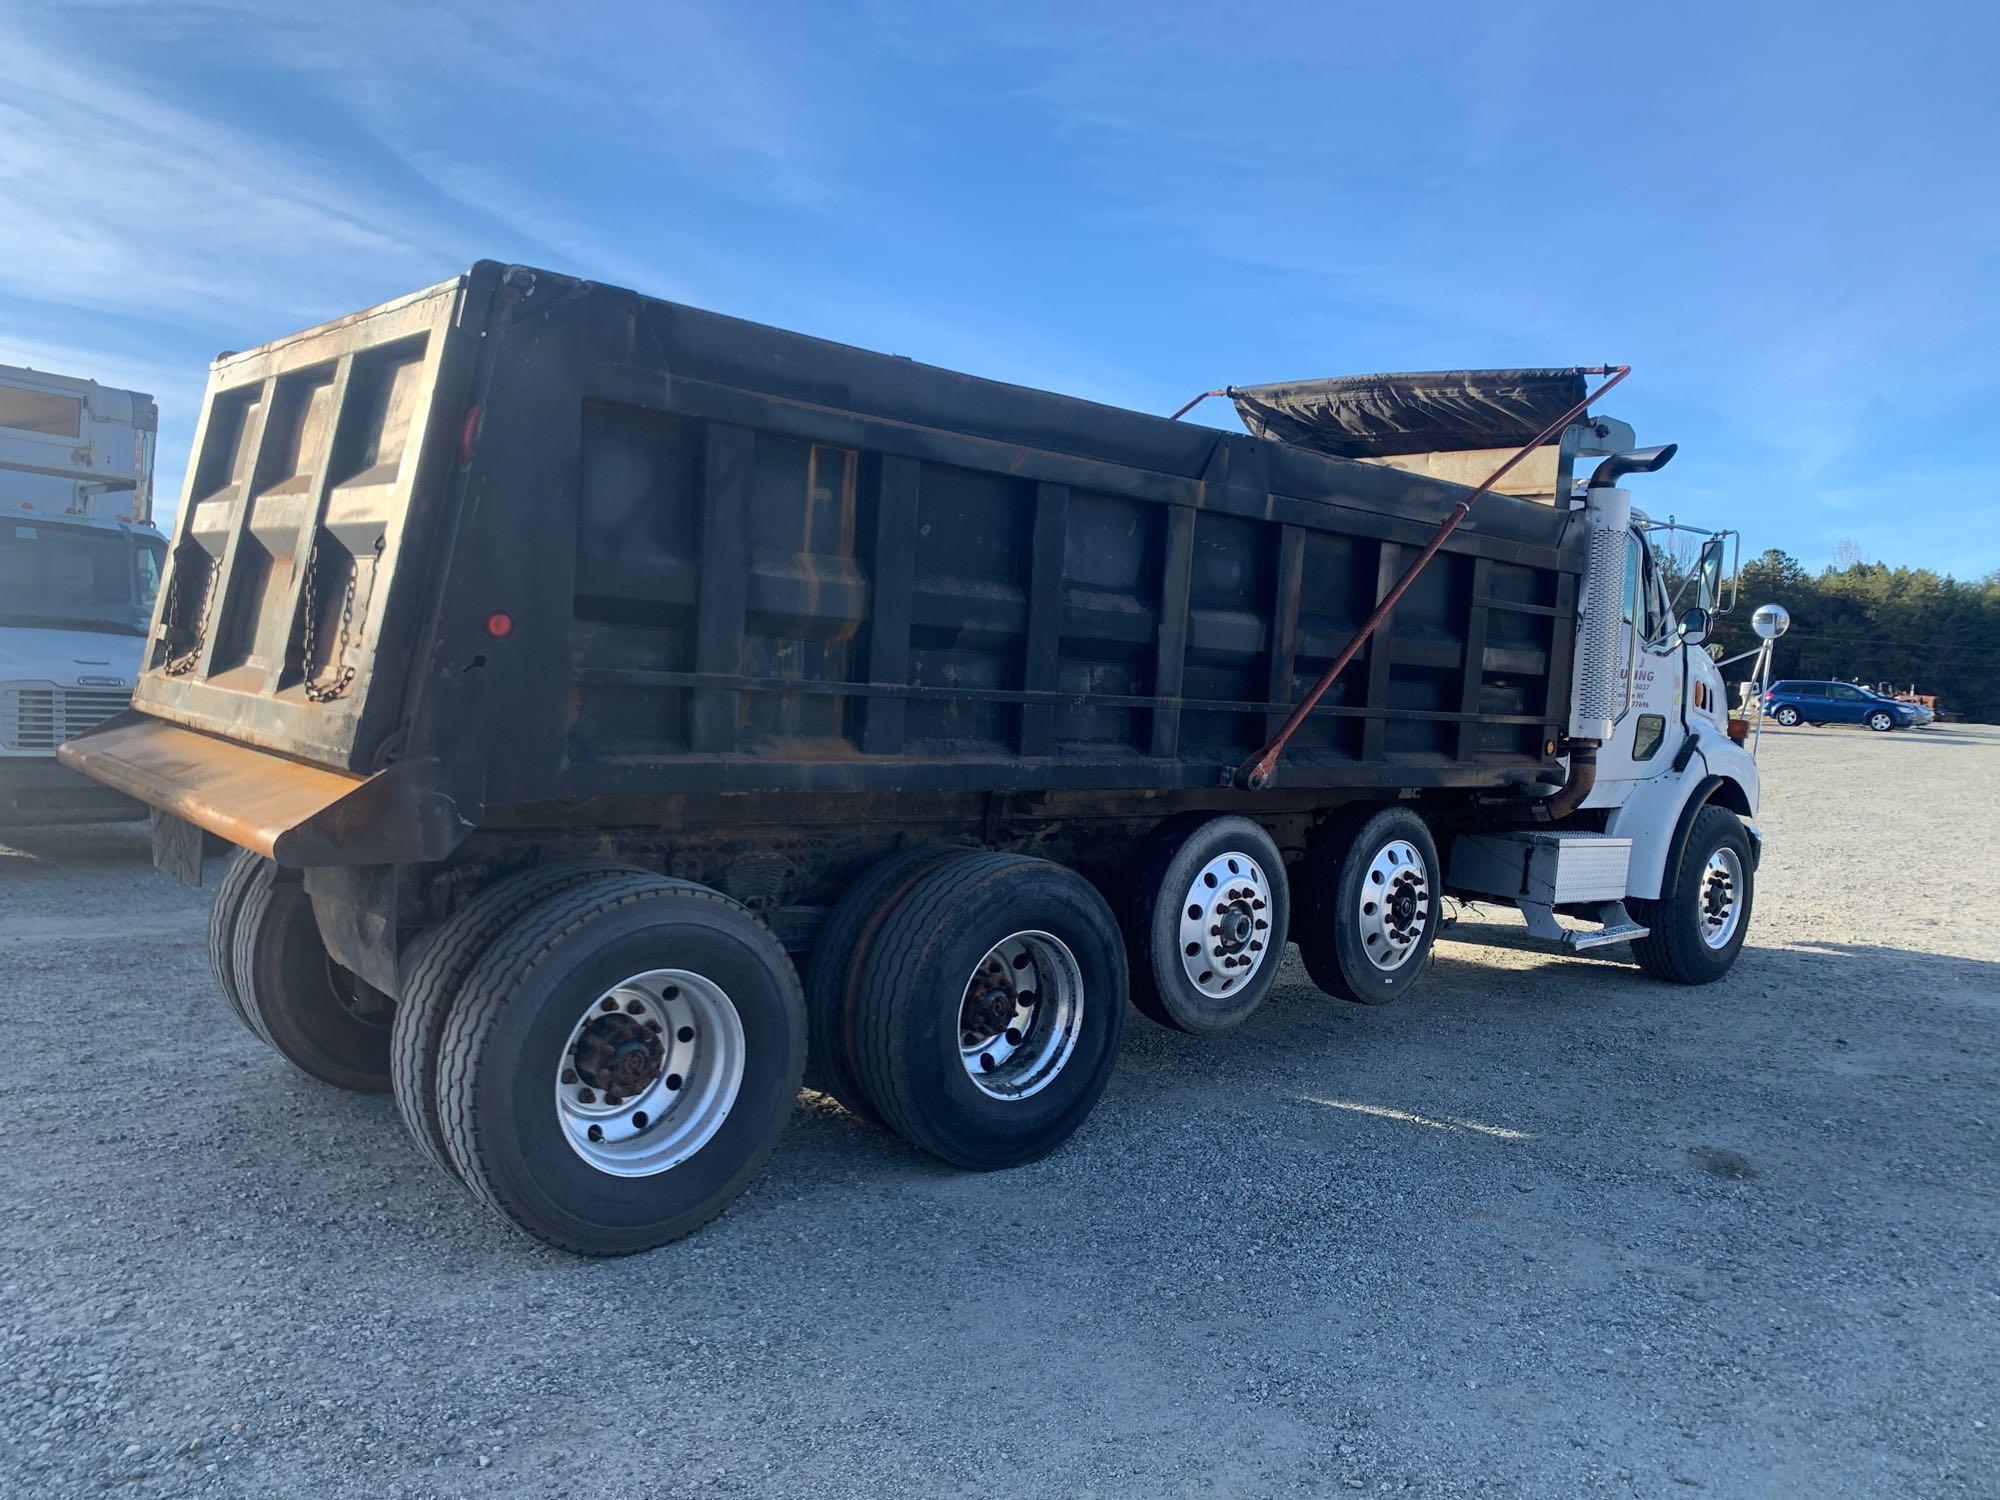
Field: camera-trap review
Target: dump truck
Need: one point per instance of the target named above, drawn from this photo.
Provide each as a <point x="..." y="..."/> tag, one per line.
<point x="80" y="562"/>
<point x="620" y="712"/>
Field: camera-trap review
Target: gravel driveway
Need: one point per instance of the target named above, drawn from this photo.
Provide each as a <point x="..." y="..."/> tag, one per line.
<point x="1549" y="1229"/>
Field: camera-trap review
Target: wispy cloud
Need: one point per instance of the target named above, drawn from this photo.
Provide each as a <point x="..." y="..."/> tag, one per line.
<point x="117" y="200"/>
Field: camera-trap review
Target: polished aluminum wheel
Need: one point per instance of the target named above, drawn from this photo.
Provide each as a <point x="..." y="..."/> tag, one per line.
<point x="1020" y="1017"/>
<point x="1225" y="924"/>
<point x="1395" y="904"/>
<point x="1721" y="897"/>
<point x="650" y="1072"/>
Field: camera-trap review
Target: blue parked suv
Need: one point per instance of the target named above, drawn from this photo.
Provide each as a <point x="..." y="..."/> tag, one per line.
<point x="1792" y="703"/>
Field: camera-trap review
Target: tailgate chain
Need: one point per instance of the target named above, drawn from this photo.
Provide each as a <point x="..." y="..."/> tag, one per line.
<point x="327" y="692"/>
<point x="180" y="666"/>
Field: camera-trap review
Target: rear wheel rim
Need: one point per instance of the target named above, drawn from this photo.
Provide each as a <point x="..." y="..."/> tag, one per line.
<point x="1225" y="924"/>
<point x="1394" y="906"/>
<point x="1721" y="897"/>
<point x="1020" y="1015"/>
<point x="650" y="1072"/>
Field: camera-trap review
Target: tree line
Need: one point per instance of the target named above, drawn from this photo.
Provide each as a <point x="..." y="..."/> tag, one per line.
<point x="1871" y="623"/>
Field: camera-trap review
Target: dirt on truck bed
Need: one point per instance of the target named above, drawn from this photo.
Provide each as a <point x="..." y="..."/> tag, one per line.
<point x="1540" y="1230"/>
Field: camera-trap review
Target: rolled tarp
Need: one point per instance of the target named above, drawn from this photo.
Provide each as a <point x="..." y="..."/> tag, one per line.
<point x="1436" y="411"/>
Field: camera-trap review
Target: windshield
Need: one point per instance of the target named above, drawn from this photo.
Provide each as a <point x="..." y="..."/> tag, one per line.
<point x="75" y="578"/>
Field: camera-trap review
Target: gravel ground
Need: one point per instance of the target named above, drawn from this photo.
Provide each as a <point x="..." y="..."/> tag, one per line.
<point x="1549" y="1228"/>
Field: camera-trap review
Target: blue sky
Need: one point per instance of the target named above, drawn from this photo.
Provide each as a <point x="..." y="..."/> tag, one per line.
<point x="1785" y="216"/>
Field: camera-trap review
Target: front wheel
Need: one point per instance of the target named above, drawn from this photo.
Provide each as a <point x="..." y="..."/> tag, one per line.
<point x="1881" y="721"/>
<point x="1788" y="716"/>
<point x="1698" y="923"/>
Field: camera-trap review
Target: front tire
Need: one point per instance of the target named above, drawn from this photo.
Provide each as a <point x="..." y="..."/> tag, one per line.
<point x="1205" y="932"/>
<point x="323" y="1019"/>
<point x="1368" y="905"/>
<point x="1699" y="922"/>
<point x="1881" y="721"/>
<point x="621" y="1062"/>
<point x="988" y="1012"/>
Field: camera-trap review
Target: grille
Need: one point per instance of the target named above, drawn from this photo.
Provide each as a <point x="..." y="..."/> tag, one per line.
<point x="41" y="718"/>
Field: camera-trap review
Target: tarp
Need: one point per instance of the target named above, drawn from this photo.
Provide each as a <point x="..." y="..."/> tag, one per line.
<point x="1439" y="411"/>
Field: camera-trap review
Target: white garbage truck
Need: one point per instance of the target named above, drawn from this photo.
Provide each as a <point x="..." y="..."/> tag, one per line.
<point x="621" y="711"/>
<point x="80" y="562"/>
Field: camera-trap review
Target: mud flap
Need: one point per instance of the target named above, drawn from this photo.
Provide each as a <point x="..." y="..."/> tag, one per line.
<point x="176" y="848"/>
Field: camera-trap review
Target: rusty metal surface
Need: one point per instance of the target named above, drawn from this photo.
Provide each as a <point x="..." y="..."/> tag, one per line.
<point x="249" y="797"/>
<point x="296" y="814"/>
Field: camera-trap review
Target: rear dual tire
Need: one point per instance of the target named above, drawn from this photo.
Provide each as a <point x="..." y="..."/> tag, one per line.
<point x="987" y="1010"/>
<point x="436" y="968"/>
<point x="319" y="1016"/>
<point x="668" y="990"/>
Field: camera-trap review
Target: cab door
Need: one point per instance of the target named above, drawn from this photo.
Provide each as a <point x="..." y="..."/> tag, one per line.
<point x="1647" y="734"/>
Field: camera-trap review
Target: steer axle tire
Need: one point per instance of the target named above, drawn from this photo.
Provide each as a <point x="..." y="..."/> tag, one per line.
<point x="1697" y="926"/>
<point x="322" y="1018"/>
<point x="620" y="1063"/>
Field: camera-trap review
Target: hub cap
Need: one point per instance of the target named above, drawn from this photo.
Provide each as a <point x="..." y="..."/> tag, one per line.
<point x="1225" y="924"/>
<point x="649" y="1072"/>
<point x="1395" y="904"/>
<point x="1019" y="1019"/>
<point x="1721" y="897"/>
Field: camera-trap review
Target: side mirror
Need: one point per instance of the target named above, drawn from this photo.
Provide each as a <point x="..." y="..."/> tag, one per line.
<point x="1694" y="626"/>
<point x="1708" y="577"/>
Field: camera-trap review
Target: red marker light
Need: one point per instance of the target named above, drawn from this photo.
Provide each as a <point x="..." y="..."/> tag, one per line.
<point x="499" y="626"/>
<point x="467" y="432"/>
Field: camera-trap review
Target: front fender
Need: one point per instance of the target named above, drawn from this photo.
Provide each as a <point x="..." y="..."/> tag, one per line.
<point x="1656" y="816"/>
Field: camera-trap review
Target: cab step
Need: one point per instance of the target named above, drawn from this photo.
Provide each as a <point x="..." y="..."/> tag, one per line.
<point x="1540" y="870"/>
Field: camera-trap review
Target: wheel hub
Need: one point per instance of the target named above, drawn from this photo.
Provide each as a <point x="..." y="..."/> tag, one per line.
<point x="1017" y="1022"/>
<point x="650" y="1072"/>
<point x="1225" y="915"/>
<point x="1395" y="904"/>
<point x="619" y="1054"/>
<point x="1721" y="897"/>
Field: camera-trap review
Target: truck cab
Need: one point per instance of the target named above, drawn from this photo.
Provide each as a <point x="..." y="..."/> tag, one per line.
<point x="80" y="564"/>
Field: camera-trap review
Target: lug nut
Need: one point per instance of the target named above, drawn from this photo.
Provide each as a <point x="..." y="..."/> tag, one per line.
<point x="607" y="1003"/>
<point x="585" y="1096"/>
<point x="635" y="1007"/>
<point x="569" y="1075"/>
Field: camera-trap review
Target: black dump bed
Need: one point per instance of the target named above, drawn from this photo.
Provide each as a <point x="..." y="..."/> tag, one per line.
<point x="550" y="540"/>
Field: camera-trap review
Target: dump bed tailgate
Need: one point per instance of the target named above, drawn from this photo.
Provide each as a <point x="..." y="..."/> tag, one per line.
<point x="302" y="547"/>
